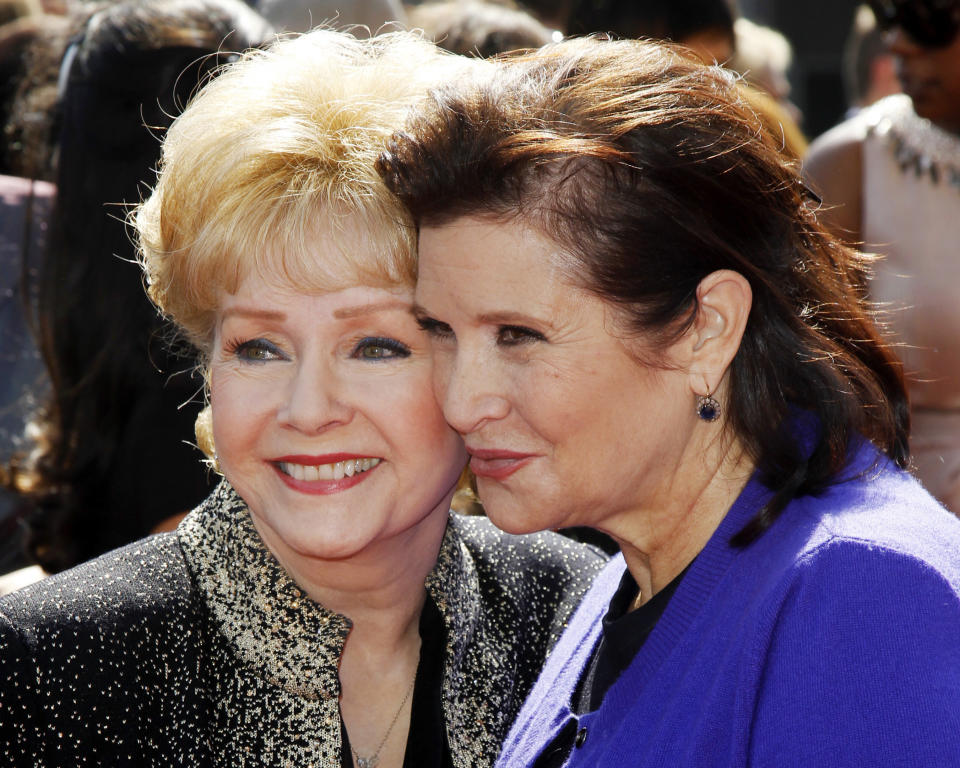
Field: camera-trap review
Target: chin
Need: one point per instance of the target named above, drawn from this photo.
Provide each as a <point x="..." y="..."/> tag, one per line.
<point x="516" y="522"/>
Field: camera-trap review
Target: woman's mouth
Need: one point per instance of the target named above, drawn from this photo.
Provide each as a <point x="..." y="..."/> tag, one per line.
<point x="497" y="464"/>
<point x="324" y="474"/>
<point x="333" y="471"/>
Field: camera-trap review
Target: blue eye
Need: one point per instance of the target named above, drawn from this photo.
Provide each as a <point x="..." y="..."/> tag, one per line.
<point x="256" y="351"/>
<point x="380" y="348"/>
<point x="514" y="335"/>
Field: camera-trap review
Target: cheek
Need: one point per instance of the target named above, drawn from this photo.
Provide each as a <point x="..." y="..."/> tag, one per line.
<point x="236" y="404"/>
<point x="415" y="408"/>
<point x="555" y="402"/>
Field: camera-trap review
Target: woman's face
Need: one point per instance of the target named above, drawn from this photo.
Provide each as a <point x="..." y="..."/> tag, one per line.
<point x="564" y="425"/>
<point x="325" y="421"/>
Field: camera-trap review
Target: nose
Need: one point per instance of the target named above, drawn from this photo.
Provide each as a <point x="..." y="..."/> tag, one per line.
<point x="314" y="399"/>
<point x="470" y="390"/>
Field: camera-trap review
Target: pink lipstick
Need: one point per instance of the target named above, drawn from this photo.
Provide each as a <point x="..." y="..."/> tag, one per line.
<point x="497" y="464"/>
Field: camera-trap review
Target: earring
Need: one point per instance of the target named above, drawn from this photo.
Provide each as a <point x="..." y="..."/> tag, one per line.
<point x="708" y="408"/>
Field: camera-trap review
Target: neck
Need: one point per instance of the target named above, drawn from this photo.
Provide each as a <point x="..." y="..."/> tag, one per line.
<point x="380" y="588"/>
<point x="662" y="538"/>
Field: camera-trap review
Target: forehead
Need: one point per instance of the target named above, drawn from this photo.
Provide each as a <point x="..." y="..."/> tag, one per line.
<point x="501" y="249"/>
<point x="478" y="266"/>
<point x="328" y="251"/>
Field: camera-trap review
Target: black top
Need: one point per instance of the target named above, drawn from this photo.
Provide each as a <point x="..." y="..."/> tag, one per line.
<point x="427" y="739"/>
<point x="194" y="648"/>
<point x="624" y="633"/>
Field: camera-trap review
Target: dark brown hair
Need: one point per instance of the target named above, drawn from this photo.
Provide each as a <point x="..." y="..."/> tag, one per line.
<point x="651" y="172"/>
<point x="110" y="456"/>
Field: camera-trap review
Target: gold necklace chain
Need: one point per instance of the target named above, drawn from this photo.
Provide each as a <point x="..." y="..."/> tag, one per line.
<point x="371" y="762"/>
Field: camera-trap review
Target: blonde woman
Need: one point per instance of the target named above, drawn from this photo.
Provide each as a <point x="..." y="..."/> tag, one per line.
<point x="322" y="607"/>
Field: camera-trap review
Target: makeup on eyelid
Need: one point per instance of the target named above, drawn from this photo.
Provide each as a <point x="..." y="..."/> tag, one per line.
<point x="325" y="420"/>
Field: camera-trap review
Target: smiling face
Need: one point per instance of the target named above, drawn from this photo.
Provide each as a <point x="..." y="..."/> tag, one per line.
<point x="325" y="421"/>
<point x="563" y="424"/>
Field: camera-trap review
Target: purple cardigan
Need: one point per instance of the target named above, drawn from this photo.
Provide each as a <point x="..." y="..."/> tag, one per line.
<point x="833" y="640"/>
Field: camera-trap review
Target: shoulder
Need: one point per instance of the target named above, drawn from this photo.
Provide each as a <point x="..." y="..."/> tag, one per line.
<point x="874" y="548"/>
<point x="116" y="611"/>
<point x="537" y="579"/>
<point x="861" y="618"/>
<point x="880" y="511"/>
<point x="863" y="644"/>
<point x="537" y="557"/>
<point x="135" y="580"/>
<point x="879" y="559"/>
<point x="833" y="167"/>
<point x="118" y="636"/>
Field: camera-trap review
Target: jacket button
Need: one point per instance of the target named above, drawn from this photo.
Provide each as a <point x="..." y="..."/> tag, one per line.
<point x="581" y="737"/>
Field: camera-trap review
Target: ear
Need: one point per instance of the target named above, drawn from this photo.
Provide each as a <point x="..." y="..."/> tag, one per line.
<point x="724" y="299"/>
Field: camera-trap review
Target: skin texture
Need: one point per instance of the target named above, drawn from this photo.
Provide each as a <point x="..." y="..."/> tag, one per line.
<point x="303" y="381"/>
<point x="294" y="374"/>
<point x="527" y="363"/>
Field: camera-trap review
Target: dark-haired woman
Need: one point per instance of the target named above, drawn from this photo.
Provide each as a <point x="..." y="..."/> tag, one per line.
<point x="118" y="422"/>
<point x="639" y="326"/>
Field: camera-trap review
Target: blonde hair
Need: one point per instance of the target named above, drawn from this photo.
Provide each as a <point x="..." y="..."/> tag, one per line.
<point x="275" y="153"/>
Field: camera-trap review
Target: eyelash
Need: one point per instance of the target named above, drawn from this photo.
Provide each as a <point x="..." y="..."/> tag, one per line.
<point x="522" y="335"/>
<point x="396" y="348"/>
<point x="434" y="328"/>
<point x="507" y="335"/>
<point x="261" y="350"/>
<point x="243" y="349"/>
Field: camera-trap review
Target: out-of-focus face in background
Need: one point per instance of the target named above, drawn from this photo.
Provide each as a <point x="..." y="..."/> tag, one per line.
<point x="924" y="37"/>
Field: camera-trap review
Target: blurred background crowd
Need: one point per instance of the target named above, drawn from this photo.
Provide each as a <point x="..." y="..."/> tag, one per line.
<point x="97" y="399"/>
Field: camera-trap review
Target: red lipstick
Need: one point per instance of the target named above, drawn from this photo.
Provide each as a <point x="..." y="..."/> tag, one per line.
<point x="321" y="487"/>
<point x="496" y="464"/>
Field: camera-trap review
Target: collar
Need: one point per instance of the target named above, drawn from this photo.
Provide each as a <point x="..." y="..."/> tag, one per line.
<point x="917" y="145"/>
<point x="273" y="626"/>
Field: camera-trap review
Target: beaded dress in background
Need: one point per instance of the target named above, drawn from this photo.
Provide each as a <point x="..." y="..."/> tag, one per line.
<point x="911" y="215"/>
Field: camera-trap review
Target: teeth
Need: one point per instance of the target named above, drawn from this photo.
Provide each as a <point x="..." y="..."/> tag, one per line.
<point x="336" y="471"/>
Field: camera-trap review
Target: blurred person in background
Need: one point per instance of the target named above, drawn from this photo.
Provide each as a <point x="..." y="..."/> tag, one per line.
<point x="706" y="27"/>
<point x="322" y="606"/>
<point x="763" y="56"/>
<point x="869" y="70"/>
<point x="93" y="469"/>
<point x="25" y="208"/>
<point x="475" y="28"/>
<point x="890" y="179"/>
<point x="303" y="15"/>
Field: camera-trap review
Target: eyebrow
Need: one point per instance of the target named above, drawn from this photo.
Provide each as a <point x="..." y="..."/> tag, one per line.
<point x="511" y="318"/>
<point x="492" y="318"/>
<point x="369" y="309"/>
<point x="260" y="314"/>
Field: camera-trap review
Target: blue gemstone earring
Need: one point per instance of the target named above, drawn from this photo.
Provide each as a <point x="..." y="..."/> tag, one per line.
<point x="708" y="408"/>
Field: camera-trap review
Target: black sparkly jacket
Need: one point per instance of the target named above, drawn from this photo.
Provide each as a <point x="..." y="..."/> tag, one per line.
<point x="195" y="648"/>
